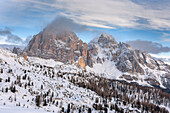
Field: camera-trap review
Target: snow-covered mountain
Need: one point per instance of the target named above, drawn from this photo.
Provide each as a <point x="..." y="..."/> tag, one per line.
<point x="121" y="61"/>
<point x="75" y="77"/>
<point x="103" y="55"/>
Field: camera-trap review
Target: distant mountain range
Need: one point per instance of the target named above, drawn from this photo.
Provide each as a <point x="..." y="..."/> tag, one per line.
<point x="10" y="47"/>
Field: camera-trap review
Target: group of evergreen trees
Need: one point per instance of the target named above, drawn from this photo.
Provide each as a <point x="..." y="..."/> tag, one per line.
<point x="144" y="98"/>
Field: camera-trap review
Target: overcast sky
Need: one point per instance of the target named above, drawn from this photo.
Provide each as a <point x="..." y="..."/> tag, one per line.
<point x="126" y="20"/>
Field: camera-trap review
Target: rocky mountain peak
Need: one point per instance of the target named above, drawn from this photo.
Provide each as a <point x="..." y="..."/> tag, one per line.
<point x="64" y="47"/>
<point x="106" y="38"/>
<point x="104" y="41"/>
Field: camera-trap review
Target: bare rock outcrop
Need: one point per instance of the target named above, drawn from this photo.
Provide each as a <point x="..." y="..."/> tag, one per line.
<point x="17" y="51"/>
<point x="81" y="63"/>
<point x="20" y="52"/>
<point x="25" y="56"/>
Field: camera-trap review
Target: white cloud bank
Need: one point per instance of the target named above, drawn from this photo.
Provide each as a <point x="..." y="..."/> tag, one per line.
<point x="108" y="13"/>
<point x="7" y="37"/>
<point x="148" y="46"/>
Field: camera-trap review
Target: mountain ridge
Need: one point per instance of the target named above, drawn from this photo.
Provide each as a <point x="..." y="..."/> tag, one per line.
<point x="104" y="51"/>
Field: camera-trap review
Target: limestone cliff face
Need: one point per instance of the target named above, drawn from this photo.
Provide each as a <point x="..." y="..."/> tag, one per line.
<point x="63" y="47"/>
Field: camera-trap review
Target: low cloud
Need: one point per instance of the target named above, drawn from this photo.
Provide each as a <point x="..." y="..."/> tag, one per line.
<point x="148" y="46"/>
<point x="166" y="39"/>
<point x="7" y="37"/>
<point x="62" y="24"/>
<point x="6" y="31"/>
<point x="142" y="21"/>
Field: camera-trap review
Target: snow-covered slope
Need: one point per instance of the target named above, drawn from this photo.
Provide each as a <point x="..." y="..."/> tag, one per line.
<point x="18" y="109"/>
<point x="29" y="77"/>
<point x="106" y="69"/>
<point x="40" y="85"/>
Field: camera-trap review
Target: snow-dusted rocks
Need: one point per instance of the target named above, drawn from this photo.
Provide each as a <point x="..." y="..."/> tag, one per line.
<point x="106" y="41"/>
<point x="17" y="51"/>
<point x="106" y="48"/>
<point x="135" y="65"/>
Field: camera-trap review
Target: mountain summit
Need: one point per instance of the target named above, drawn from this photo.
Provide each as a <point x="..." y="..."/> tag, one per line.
<point x="104" y="40"/>
<point x="65" y="47"/>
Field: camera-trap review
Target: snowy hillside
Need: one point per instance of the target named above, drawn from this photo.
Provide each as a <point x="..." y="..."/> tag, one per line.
<point x="40" y="85"/>
<point x="28" y="80"/>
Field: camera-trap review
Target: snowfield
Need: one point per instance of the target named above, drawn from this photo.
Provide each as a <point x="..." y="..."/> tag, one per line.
<point x="107" y="69"/>
<point x="14" y="109"/>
